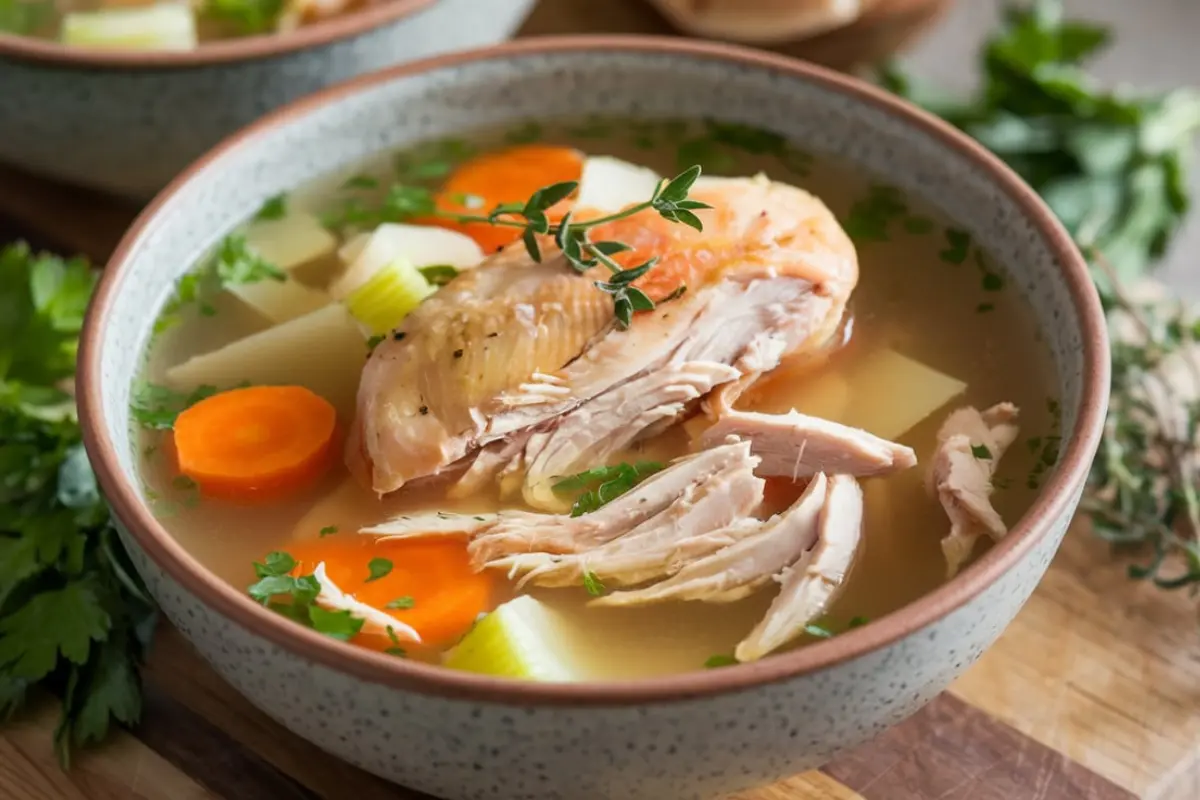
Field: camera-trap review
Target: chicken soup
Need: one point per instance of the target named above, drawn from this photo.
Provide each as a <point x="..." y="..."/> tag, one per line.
<point x="601" y="400"/>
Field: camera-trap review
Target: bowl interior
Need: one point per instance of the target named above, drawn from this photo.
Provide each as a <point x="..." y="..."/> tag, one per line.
<point x="821" y="112"/>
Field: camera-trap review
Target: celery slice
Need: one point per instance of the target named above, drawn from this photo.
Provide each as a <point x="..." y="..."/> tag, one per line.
<point x="521" y="639"/>
<point x="169" y="26"/>
<point x="388" y="296"/>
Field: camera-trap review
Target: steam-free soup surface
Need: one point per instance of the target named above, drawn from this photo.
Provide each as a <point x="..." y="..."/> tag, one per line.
<point x="930" y="309"/>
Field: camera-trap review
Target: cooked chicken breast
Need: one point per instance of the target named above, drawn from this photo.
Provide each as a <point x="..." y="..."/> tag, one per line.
<point x="811" y="584"/>
<point x="795" y="445"/>
<point x="743" y="567"/>
<point x="645" y="552"/>
<point x="514" y="347"/>
<point x="514" y="532"/>
<point x="970" y="445"/>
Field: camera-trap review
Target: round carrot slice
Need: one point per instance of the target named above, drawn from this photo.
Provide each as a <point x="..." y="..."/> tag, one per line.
<point x="256" y="443"/>
<point x="504" y="176"/>
<point x="428" y="584"/>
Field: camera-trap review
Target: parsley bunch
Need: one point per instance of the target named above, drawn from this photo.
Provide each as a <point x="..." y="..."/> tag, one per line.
<point x="1111" y="164"/>
<point x="73" y="617"/>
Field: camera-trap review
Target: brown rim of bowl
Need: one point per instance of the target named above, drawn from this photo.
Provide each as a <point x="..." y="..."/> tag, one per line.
<point x="374" y="667"/>
<point x="246" y="48"/>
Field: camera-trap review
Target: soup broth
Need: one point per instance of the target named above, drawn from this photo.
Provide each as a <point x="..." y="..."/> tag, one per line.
<point x="930" y="309"/>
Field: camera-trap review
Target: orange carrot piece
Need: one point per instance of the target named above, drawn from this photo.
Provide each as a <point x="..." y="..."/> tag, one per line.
<point x="430" y="586"/>
<point x="257" y="443"/>
<point x="505" y="176"/>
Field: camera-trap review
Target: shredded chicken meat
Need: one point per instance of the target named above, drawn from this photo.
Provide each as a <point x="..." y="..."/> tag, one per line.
<point x="970" y="445"/>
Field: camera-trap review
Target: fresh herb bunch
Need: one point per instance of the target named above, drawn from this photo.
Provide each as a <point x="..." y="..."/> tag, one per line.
<point x="1112" y="165"/>
<point x="1143" y="484"/>
<point x="73" y="617"/>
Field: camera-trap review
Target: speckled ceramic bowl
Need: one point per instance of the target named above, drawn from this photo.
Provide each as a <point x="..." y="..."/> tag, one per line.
<point x="128" y="122"/>
<point x="697" y="735"/>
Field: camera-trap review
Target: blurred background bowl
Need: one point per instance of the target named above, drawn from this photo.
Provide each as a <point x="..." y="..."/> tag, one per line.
<point x="843" y="34"/>
<point x="127" y="122"/>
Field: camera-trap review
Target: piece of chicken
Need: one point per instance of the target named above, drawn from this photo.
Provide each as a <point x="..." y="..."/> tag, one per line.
<point x="514" y="532"/>
<point x="513" y="348"/>
<point x="647" y="551"/>
<point x="970" y="445"/>
<point x="795" y="445"/>
<point x="811" y="584"/>
<point x="742" y="568"/>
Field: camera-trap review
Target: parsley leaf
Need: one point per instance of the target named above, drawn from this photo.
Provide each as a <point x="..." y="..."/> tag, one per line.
<point x="73" y="616"/>
<point x="439" y="274"/>
<point x="592" y="584"/>
<point x="395" y="649"/>
<point x="328" y="530"/>
<point x="340" y="625"/>
<point x="274" y="208"/>
<point x="156" y="407"/>
<point x="245" y="16"/>
<point x="720" y="660"/>
<point x="610" y="483"/>
<point x="378" y="568"/>
<point x="981" y="452"/>
<point x="233" y="263"/>
<point x="406" y="601"/>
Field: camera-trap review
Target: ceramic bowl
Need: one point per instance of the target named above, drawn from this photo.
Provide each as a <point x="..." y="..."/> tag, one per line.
<point x="127" y="122"/>
<point x="696" y="735"/>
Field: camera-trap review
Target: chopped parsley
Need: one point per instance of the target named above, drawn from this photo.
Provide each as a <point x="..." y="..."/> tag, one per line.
<point x="156" y="407"/>
<point x="395" y="649"/>
<point x="439" y="274"/>
<point x="274" y="208"/>
<point x="958" y="246"/>
<point x="406" y="601"/>
<point x="720" y="660"/>
<point x="870" y="218"/>
<point x="340" y="624"/>
<point x="378" y="568"/>
<point x="294" y="596"/>
<point x="234" y="263"/>
<point x="592" y="584"/>
<point x="328" y="530"/>
<point x="981" y="452"/>
<point x="602" y="485"/>
<point x="819" y="631"/>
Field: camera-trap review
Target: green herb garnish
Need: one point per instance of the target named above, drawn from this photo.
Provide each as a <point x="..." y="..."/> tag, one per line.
<point x="720" y="660"/>
<point x="592" y="584"/>
<point x="247" y="17"/>
<point x="871" y="217"/>
<point x="402" y="602"/>
<point x="958" y="246"/>
<point x="328" y="530"/>
<point x="74" y="618"/>
<point x="378" y="568"/>
<point x="295" y="597"/>
<point x="981" y="452"/>
<point x="439" y="274"/>
<point x="602" y="485"/>
<point x="274" y="208"/>
<point x="156" y="407"/>
<point x="1112" y="165"/>
<point x="819" y="631"/>
<point x="395" y="649"/>
<point x="25" y="17"/>
<point x="234" y="263"/>
<point x="340" y="625"/>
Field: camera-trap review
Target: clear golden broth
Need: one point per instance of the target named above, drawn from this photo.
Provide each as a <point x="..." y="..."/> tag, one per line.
<point x="907" y="298"/>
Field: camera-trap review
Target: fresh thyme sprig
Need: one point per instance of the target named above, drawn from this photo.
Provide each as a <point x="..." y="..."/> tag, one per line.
<point x="1143" y="483"/>
<point x="670" y="200"/>
<point x="572" y="236"/>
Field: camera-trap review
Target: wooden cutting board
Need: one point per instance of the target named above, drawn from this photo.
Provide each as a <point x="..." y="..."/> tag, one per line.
<point x="1093" y="692"/>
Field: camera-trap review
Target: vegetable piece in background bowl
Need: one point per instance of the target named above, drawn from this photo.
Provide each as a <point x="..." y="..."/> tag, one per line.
<point x="941" y="280"/>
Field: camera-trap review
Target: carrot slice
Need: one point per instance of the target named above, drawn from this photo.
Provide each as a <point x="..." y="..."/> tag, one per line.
<point x="430" y="585"/>
<point x="256" y="443"/>
<point x="505" y="176"/>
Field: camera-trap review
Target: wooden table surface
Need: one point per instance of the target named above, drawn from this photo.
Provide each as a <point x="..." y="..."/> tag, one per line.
<point x="1092" y="692"/>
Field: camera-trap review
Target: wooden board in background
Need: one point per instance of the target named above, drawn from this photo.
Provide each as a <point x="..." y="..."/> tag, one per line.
<point x="1093" y="692"/>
